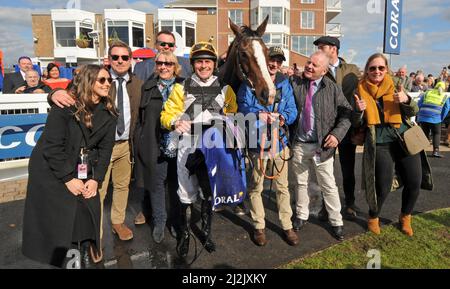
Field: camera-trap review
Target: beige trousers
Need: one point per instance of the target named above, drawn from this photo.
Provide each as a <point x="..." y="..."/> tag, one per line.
<point x="255" y="188"/>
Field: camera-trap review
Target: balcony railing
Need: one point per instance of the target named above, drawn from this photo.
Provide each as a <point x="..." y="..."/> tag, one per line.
<point x="334" y="5"/>
<point x="333" y="29"/>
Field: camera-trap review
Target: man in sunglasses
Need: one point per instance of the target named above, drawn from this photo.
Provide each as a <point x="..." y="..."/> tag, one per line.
<point x="165" y="40"/>
<point x="346" y="76"/>
<point x="126" y="94"/>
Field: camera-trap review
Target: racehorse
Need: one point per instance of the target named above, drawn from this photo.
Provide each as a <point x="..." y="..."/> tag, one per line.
<point x="247" y="62"/>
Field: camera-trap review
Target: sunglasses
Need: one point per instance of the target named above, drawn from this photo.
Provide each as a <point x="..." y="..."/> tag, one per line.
<point x="124" y="57"/>
<point x="170" y="44"/>
<point x="380" y="68"/>
<point x="167" y="64"/>
<point x="102" y="80"/>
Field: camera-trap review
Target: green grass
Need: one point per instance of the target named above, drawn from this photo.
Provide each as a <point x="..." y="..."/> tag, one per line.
<point x="428" y="248"/>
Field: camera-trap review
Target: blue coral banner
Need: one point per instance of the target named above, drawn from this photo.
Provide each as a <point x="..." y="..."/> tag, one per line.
<point x="392" y="27"/>
<point x="19" y="134"/>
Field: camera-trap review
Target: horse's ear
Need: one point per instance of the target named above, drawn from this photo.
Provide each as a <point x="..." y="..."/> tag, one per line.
<point x="236" y="30"/>
<point x="262" y="28"/>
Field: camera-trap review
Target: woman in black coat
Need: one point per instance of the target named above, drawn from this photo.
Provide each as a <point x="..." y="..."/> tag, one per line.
<point x="155" y="154"/>
<point x="62" y="208"/>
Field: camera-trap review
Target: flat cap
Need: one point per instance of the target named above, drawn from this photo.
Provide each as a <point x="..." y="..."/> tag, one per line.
<point x="328" y="40"/>
<point x="276" y="51"/>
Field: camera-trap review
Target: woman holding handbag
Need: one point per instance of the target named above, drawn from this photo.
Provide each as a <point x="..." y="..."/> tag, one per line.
<point x="62" y="208"/>
<point x="385" y="111"/>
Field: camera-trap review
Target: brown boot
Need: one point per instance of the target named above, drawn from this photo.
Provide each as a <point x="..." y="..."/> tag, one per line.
<point x="405" y="224"/>
<point x="373" y="224"/>
<point x="122" y="231"/>
<point x="291" y="237"/>
<point x="260" y="237"/>
<point x="139" y="219"/>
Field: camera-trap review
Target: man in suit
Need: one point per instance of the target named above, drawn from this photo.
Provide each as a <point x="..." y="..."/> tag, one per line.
<point x="15" y="80"/>
<point x="165" y="40"/>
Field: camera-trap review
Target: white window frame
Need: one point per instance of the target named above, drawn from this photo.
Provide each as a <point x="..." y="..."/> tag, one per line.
<point x="234" y="19"/>
<point x="308" y="49"/>
<point x="308" y="1"/>
<point x="307" y="19"/>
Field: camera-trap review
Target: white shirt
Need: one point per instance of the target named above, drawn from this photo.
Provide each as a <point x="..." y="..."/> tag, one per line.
<point x="126" y="104"/>
<point x="333" y="67"/>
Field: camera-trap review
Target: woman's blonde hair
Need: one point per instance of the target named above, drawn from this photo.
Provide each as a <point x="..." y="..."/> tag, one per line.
<point x="371" y="58"/>
<point x="83" y="90"/>
<point x="169" y="57"/>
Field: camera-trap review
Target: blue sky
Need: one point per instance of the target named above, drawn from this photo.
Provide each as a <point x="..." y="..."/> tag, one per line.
<point x="425" y="35"/>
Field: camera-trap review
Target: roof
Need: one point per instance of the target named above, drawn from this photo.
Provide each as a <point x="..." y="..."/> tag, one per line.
<point x="191" y="3"/>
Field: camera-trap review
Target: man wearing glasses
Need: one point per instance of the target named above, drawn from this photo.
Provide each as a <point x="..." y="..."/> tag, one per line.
<point x="165" y="40"/>
<point x="126" y="94"/>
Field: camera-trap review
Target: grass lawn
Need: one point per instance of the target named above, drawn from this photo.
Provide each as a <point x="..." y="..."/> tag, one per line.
<point x="429" y="248"/>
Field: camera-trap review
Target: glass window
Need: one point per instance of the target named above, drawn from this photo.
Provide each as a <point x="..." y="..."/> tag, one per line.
<point x="235" y="1"/>
<point x="286" y="20"/>
<point x="190" y="34"/>
<point x="167" y="25"/>
<point x="211" y="11"/>
<point x="254" y="17"/>
<point x="236" y="16"/>
<point x="179" y="27"/>
<point x="303" y="44"/>
<point x="65" y="34"/>
<point x="308" y="1"/>
<point x="307" y="20"/>
<point x="264" y="12"/>
<point x="276" y="39"/>
<point x="119" y="29"/>
<point x="266" y="38"/>
<point x="230" y="39"/>
<point x="138" y="37"/>
<point x="85" y="31"/>
<point x="277" y="15"/>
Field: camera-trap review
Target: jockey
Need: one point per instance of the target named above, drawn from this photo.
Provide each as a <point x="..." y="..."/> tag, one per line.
<point x="270" y="121"/>
<point x="193" y="104"/>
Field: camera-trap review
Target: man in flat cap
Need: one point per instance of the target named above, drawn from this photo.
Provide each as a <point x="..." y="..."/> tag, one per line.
<point x="346" y="76"/>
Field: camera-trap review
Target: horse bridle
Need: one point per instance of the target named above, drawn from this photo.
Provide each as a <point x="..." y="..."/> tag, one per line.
<point x="238" y="59"/>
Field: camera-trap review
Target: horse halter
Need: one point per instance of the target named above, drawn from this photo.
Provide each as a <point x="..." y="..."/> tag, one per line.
<point x="238" y="59"/>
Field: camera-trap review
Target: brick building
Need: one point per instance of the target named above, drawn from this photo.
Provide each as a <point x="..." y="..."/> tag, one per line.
<point x="293" y="24"/>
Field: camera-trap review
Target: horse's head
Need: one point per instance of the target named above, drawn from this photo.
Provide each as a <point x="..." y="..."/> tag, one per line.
<point x="248" y="56"/>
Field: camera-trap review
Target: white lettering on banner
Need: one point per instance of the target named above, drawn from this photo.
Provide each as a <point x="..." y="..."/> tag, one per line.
<point x="14" y="143"/>
<point x="393" y="41"/>
<point x="31" y="134"/>
<point x="29" y="137"/>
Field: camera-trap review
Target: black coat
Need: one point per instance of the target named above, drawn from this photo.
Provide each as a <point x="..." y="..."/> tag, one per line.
<point x="12" y="81"/>
<point x="148" y="134"/>
<point x="50" y="207"/>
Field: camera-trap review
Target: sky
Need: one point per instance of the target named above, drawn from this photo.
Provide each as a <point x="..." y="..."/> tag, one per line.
<point x="425" y="40"/>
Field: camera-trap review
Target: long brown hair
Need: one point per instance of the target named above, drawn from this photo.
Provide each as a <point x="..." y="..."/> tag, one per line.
<point x="83" y="90"/>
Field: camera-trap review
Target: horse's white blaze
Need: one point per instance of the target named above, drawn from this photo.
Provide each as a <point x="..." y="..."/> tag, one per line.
<point x="261" y="60"/>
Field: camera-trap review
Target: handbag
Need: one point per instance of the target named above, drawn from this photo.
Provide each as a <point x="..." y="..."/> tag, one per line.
<point x="413" y="140"/>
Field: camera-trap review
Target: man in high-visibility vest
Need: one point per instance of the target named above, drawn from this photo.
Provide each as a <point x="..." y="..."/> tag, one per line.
<point x="433" y="108"/>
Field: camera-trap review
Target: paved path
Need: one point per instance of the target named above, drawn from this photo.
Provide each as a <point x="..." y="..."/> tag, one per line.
<point x="231" y="233"/>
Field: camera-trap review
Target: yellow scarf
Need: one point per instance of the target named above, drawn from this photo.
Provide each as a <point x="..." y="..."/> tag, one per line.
<point x="371" y="92"/>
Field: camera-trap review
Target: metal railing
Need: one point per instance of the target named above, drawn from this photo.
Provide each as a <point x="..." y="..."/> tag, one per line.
<point x="334" y="4"/>
<point x="333" y="29"/>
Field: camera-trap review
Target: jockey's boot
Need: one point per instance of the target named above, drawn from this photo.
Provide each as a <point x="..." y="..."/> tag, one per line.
<point x="183" y="238"/>
<point x="206" y="215"/>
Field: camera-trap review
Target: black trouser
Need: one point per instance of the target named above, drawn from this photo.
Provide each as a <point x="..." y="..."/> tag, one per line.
<point x="435" y="129"/>
<point x="347" y="152"/>
<point x="390" y="157"/>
